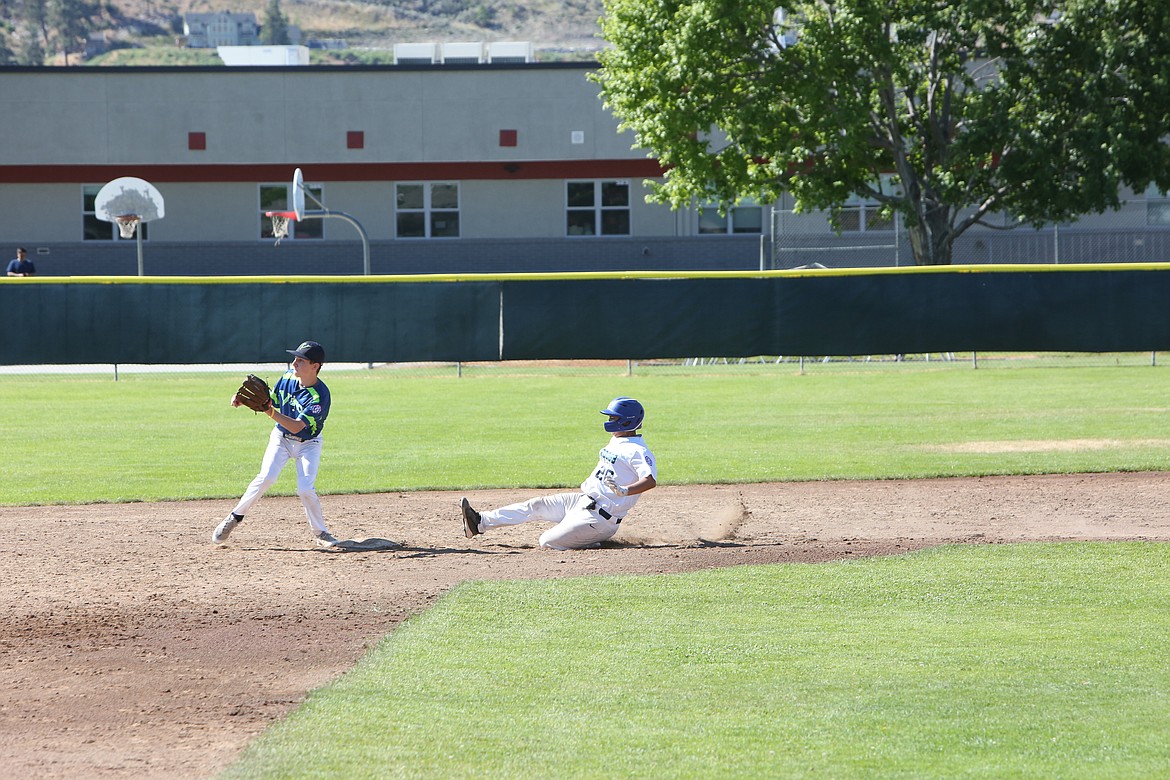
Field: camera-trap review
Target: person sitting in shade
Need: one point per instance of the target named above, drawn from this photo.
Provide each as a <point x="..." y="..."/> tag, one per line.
<point x="21" y="265"/>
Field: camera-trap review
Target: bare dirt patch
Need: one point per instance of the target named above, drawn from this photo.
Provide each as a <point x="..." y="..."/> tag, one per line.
<point x="132" y="647"/>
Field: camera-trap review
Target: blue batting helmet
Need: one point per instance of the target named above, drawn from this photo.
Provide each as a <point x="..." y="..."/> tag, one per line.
<point x="629" y="414"/>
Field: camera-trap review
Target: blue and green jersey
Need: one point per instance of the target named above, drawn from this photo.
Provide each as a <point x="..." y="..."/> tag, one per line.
<point x="310" y="404"/>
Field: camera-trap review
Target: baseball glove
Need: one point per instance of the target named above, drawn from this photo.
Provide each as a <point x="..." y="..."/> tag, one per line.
<point x="254" y="394"/>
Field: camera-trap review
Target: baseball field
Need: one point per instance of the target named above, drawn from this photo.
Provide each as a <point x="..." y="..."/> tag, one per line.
<point x="890" y="571"/>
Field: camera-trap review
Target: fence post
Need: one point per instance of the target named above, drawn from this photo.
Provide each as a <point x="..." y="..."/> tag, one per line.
<point x="897" y="238"/>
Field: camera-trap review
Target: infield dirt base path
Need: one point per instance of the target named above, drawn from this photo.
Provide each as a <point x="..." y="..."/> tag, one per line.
<point x="132" y="647"/>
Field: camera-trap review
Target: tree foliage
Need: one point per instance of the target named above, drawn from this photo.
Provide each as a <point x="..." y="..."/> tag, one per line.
<point x="7" y="55"/>
<point x="70" y="18"/>
<point x="947" y="112"/>
<point x="275" y="28"/>
<point x="45" y="27"/>
<point x="37" y="39"/>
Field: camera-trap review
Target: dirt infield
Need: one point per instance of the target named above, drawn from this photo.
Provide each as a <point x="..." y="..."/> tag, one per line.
<point x="132" y="647"/>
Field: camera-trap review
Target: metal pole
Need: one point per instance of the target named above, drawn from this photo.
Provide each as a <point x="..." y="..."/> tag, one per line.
<point x="897" y="239"/>
<point x="776" y="241"/>
<point x="361" y="232"/>
<point x="141" y="266"/>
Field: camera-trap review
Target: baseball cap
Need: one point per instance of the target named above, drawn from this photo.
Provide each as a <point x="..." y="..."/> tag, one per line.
<point x="310" y="351"/>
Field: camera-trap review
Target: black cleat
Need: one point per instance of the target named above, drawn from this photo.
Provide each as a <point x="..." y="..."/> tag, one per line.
<point x="470" y="520"/>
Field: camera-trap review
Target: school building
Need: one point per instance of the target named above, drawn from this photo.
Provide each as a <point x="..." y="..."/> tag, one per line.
<point x="449" y="168"/>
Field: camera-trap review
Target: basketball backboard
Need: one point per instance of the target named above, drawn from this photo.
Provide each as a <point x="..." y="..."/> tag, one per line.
<point x="130" y="202"/>
<point x="298" y="194"/>
<point x="127" y="196"/>
<point x="280" y="219"/>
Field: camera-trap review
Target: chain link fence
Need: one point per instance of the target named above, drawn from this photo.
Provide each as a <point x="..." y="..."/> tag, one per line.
<point x="869" y="241"/>
<point x="696" y="366"/>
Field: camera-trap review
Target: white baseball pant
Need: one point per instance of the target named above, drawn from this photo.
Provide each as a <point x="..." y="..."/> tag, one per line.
<point x="306" y="457"/>
<point x="576" y="526"/>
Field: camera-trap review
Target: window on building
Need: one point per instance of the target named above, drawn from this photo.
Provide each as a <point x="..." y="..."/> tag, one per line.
<point x="1157" y="206"/>
<point x="748" y="217"/>
<point x="278" y="197"/>
<point x="863" y="215"/>
<point x="94" y="229"/>
<point x="597" y="208"/>
<point x="859" y="215"/>
<point x="427" y="209"/>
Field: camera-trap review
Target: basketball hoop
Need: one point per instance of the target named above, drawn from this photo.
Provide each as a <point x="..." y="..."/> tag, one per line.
<point x="280" y="223"/>
<point x="127" y="224"/>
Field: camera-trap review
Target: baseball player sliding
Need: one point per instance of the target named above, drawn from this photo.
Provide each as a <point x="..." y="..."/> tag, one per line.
<point x="625" y="470"/>
<point x="298" y="405"/>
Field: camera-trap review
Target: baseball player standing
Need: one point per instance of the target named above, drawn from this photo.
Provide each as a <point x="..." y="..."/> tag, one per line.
<point x="300" y="404"/>
<point x="625" y="469"/>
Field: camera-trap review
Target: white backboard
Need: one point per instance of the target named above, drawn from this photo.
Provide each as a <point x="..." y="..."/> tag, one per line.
<point x="298" y="194"/>
<point x="129" y="195"/>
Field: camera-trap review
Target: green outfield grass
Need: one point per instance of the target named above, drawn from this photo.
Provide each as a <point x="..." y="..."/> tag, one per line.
<point x="152" y="437"/>
<point x="993" y="661"/>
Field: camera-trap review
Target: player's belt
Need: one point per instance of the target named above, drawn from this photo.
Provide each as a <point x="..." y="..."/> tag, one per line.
<point x="593" y="507"/>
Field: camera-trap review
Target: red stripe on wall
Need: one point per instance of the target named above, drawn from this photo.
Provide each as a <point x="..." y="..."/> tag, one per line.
<point x="422" y="171"/>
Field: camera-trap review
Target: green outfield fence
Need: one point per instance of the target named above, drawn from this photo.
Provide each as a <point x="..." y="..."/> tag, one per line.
<point x="631" y="321"/>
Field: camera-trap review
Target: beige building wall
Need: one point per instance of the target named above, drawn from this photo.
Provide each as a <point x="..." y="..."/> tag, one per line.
<point x="511" y="137"/>
<point x="294" y="115"/>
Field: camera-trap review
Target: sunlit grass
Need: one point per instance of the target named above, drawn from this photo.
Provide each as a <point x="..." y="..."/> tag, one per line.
<point x="150" y="437"/>
<point x="991" y="661"/>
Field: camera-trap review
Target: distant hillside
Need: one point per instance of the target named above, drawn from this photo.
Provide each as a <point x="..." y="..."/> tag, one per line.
<point x="547" y="22"/>
<point x="559" y="29"/>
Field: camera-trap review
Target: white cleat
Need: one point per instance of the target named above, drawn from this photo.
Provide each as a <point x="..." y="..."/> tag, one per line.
<point x="224" y="529"/>
<point x="326" y="539"/>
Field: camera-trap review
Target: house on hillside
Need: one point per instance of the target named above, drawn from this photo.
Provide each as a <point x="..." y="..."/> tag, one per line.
<point x="221" y="28"/>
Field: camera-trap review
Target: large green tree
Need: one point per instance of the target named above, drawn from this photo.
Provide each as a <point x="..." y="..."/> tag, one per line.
<point x="947" y="111"/>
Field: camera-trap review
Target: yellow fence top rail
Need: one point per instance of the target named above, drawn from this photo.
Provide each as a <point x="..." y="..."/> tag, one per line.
<point x="593" y="275"/>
